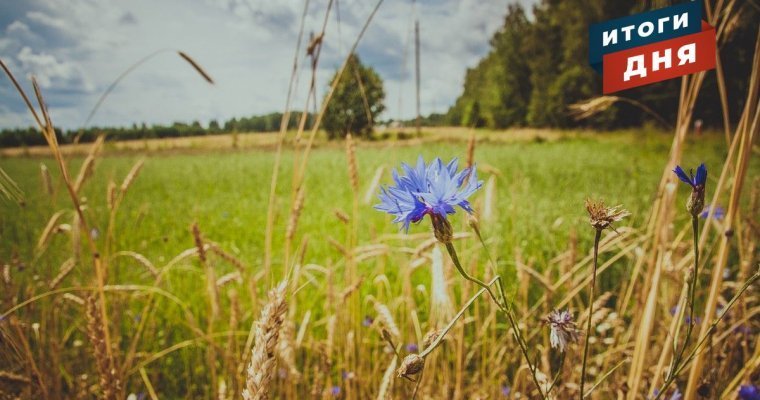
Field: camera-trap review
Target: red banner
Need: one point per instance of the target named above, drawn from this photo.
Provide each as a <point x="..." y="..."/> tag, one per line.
<point x="660" y="61"/>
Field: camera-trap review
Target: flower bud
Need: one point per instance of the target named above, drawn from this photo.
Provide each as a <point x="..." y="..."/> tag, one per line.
<point x="442" y="228"/>
<point x="696" y="202"/>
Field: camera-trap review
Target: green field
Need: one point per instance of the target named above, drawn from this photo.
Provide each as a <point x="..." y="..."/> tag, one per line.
<point x="540" y="186"/>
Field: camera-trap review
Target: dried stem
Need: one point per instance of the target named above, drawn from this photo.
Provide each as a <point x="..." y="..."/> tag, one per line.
<point x="590" y="310"/>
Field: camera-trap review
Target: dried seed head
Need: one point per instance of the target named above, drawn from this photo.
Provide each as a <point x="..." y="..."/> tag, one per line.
<point x="563" y="329"/>
<point x="132" y="175"/>
<point x="263" y="362"/>
<point x="110" y="384"/>
<point x="602" y="217"/>
<point x="111" y="195"/>
<point x="386" y="319"/>
<point x="411" y="365"/>
<point x="343" y="217"/>
<point x="199" y="242"/>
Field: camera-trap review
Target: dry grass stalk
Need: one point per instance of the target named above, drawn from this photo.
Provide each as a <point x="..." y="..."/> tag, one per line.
<point x="342" y="216"/>
<point x="271" y="203"/>
<point x="212" y="292"/>
<point x="48" y="231"/>
<point x="47" y="180"/>
<point x="110" y="383"/>
<point x="74" y="299"/>
<point x="383" y="392"/>
<point x="263" y="362"/>
<point x="489" y="204"/>
<point x="351" y="289"/>
<point x="286" y="351"/>
<point x="10" y="376"/>
<point x="371" y="193"/>
<point x="64" y="271"/>
<point x="198" y="240"/>
<point x="111" y="195"/>
<point x="295" y="214"/>
<point x="9" y="189"/>
<point x="131" y="176"/>
<point x="88" y="166"/>
<point x="229" y="278"/>
<point x="385" y="318"/>
<point x="353" y="170"/>
<point x="441" y="307"/>
<point x="747" y="129"/>
<point x="141" y="259"/>
<point x="471" y="149"/>
<point x="48" y="131"/>
<point x="236" y="262"/>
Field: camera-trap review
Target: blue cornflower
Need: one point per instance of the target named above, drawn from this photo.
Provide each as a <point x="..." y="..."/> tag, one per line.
<point x="335" y="391"/>
<point x="718" y="213"/>
<point x="505" y="390"/>
<point x="412" y="348"/>
<point x="749" y="392"/>
<point x="433" y="189"/>
<point x="690" y="179"/>
<point x="697" y="182"/>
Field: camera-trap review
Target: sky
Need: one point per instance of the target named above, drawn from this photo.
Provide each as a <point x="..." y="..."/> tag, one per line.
<point x="77" y="48"/>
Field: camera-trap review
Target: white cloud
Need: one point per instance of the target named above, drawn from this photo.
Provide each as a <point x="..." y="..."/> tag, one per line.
<point x="18" y="27"/>
<point x="51" y="72"/>
<point x="45" y="19"/>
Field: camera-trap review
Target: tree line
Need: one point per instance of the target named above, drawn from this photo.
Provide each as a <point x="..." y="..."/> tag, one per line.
<point x="257" y="123"/>
<point x="538" y="66"/>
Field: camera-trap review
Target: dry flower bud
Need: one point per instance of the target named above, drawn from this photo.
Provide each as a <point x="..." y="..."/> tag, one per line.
<point x="411" y="365"/>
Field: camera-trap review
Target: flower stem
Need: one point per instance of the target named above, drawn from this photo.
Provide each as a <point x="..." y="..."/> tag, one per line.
<point x="692" y="292"/>
<point x="590" y="310"/>
<point x="502" y="306"/>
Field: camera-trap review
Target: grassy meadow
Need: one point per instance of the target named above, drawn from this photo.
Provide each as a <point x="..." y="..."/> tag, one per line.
<point x="181" y="314"/>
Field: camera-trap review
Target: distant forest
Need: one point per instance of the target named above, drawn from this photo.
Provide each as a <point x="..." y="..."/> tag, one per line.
<point x="259" y="123"/>
<point x="538" y="66"/>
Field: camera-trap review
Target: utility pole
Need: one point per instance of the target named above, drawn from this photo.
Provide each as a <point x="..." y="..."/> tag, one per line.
<point x="417" y="68"/>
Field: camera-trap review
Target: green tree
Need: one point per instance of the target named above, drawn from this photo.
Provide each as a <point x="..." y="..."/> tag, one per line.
<point x="356" y="102"/>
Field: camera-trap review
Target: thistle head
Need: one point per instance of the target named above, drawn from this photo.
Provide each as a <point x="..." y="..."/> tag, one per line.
<point x="601" y="217"/>
<point x="696" y="202"/>
<point x="563" y="329"/>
